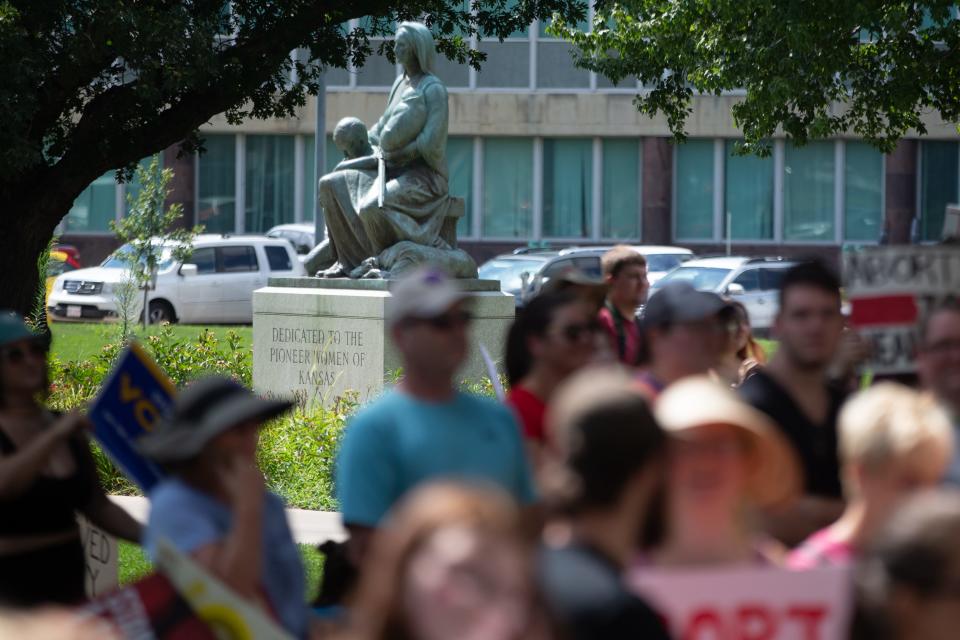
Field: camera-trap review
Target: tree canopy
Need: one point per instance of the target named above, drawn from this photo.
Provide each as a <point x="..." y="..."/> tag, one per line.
<point x="810" y="69"/>
<point x="95" y="85"/>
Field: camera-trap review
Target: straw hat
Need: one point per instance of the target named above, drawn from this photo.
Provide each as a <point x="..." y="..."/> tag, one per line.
<point x="698" y="401"/>
<point x="203" y="410"/>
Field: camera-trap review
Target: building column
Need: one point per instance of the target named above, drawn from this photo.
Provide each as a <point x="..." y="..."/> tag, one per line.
<point x="900" y="192"/>
<point x="657" y="190"/>
<point x="183" y="185"/>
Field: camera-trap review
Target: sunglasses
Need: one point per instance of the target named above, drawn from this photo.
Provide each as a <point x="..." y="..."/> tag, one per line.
<point x="18" y="354"/>
<point x="576" y="332"/>
<point x="447" y="321"/>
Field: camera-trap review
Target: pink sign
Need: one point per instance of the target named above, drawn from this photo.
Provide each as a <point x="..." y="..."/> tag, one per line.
<point x="749" y="603"/>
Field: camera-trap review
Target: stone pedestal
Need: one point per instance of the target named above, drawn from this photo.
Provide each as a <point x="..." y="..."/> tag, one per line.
<point x="315" y="339"/>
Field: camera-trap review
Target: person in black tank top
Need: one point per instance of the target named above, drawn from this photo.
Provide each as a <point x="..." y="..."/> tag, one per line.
<point x="47" y="476"/>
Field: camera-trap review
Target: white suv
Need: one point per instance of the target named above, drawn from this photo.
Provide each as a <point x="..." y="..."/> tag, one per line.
<point x="754" y="282"/>
<point x="217" y="284"/>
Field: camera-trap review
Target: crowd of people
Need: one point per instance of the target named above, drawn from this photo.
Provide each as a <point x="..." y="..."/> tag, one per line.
<point x="627" y="443"/>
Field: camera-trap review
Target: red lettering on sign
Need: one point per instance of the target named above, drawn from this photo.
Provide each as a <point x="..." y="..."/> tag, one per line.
<point x="702" y="622"/>
<point x="755" y="622"/>
<point x="810" y="617"/>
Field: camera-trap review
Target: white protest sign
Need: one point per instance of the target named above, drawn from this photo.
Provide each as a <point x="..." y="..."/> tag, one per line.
<point x="100" y="556"/>
<point x="749" y="603"/>
<point x="890" y="290"/>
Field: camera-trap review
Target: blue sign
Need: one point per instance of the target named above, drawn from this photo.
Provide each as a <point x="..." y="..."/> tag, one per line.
<point x="133" y="400"/>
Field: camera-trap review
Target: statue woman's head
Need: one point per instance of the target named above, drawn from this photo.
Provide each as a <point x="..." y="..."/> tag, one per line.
<point x="416" y="39"/>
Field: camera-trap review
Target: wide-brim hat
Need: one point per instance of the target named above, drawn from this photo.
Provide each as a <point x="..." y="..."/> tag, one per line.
<point x="698" y="401"/>
<point x="203" y="410"/>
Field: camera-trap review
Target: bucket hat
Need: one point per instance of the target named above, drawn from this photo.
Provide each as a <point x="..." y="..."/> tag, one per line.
<point x="13" y="328"/>
<point x="203" y="410"/>
<point x="698" y="401"/>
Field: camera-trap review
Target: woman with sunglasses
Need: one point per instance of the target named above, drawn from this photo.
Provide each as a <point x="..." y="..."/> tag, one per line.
<point x="47" y="476"/>
<point x="742" y="354"/>
<point x="551" y="338"/>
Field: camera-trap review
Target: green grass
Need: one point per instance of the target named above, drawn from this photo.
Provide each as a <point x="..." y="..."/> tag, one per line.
<point x="134" y="565"/>
<point x="80" y="340"/>
<point x="769" y="347"/>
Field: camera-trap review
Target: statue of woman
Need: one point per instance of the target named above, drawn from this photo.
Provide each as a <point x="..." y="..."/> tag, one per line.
<point x="389" y="210"/>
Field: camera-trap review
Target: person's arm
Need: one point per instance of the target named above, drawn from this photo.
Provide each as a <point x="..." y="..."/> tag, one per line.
<point x="366" y="162"/>
<point x="18" y="471"/>
<point x="236" y="559"/>
<point x="110" y="517"/>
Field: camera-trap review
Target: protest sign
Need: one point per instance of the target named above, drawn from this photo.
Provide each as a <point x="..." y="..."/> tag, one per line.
<point x="100" y="558"/>
<point x="749" y="603"/>
<point x="183" y="602"/>
<point x="890" y="289"/>
<point x="132" y="401"/>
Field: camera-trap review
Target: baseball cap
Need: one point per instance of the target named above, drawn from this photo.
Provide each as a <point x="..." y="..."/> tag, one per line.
<point x="425" y="292"/>
<point x="680" y="302"/>
<point x="13" y="328"/>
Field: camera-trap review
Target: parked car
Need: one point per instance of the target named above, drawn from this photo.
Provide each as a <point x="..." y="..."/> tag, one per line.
<point x="662" y="259"/>
<point x="523" y="272"/>
<point x="71" y="255"/>
<point x="301" y="235"/>
<point x="753" y="281"/>
<point x="215" y="286"/>
<point x="538" y="266"/>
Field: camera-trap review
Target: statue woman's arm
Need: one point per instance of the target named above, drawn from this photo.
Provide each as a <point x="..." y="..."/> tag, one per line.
<point x="374" y="133"/>
<point x="432" y="140"/>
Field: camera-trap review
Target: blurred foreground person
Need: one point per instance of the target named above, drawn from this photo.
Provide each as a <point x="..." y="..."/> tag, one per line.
<point x="741" y="353"/>
<point x="894" y="442"/>
<point x="551" y="337"/>
<point x="909" y="583"/>
<point x="214" y="505"/>
<point x="426" y="428"/>
<point x="684" y="335"/>
<point x="725" y="459"/>
<point x="448" y="563"/>
<point x="795" y="391"/>
<point x="938" y="366"/>
<point x="47" y="477"/>
<point x="604" y="483"/>
<point x="625" y="272"/>
<point x="55" y="624"/>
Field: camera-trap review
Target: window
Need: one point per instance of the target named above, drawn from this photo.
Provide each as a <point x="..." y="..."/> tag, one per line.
<point x="808" y="192"/>
<point x="863" y="192"/>
<point x="269" y="181"/>
<point x="95" y="207"/>
<point x="938" y="186"/>
<point x="237" y="259"/>
<point x="770" y="279"/>
<point x="507" y="64"/>
<point x="749" y="280"/>
<point x="508" y="188"/>
<point x="460" y="165"/>
<point x="589" y="265"/>
<point x="567" y="187"/>
<point x="621" y="189"/>
<point x="558" y="268"/>
<point x="133" y="187"/>
<point x="205" y="259"/>
<point x="694" y="179"/>
<point x="278" y="258"/>
<point x="216" y="184"/>
<point x="748" y="196"/>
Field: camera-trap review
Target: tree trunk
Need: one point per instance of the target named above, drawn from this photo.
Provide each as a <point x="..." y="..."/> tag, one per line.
<point x="25" y="231"/>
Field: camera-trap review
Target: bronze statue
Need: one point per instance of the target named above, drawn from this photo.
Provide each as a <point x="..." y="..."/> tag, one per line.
<point x="387" y="204"/>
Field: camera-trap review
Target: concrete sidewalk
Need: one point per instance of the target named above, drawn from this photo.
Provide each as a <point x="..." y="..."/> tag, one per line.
<point x="308" y="527"/>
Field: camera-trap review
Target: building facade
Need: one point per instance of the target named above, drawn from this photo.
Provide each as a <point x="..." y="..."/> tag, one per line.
<point x="544" y="152"/>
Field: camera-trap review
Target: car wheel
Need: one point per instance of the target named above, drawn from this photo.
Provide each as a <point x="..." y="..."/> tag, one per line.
<point x="161" y="311"/>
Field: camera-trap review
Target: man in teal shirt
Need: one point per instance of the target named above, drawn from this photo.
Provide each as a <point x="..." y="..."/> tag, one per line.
<point x="425" y="428"/>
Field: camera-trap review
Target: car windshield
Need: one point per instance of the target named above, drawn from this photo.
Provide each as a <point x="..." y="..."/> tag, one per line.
<point x="508" y="271"/>
<point x="663" y="261"/>
<point x="702" y="278"/>
<point x="119" y="259"/>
